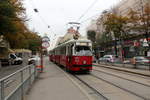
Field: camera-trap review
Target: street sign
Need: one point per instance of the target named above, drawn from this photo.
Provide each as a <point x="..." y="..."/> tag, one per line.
<point x="45" y="38"/>
<point x="145" y="43"/>
<point x="45" y="44"/>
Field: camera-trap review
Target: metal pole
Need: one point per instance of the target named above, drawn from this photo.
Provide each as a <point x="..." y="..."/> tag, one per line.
<point x="22" y="96"/>
<point x="30" y="75"/>
<point x="41" y="56"/>
<point x="2" y="90"/>
<point x="34" y="72"/>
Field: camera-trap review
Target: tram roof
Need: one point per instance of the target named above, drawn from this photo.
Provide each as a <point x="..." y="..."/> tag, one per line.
<point x="73" y="41"/>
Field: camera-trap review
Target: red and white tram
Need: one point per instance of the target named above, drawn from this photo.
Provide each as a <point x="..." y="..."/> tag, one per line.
<point x="74" y="55"/>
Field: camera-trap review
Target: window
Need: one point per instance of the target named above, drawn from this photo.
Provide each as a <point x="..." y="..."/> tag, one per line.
<point x="12" y="56"/>
<point x="83" y="51"/>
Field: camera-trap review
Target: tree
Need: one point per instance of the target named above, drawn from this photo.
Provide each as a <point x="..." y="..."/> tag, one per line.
<point x="10" y="12"/>
<point x="145" y="20"/>
<point x="91" y="35"/>
<point x="133" y="26"/>
<point x="13" y="28"/>
<point x="34" y="41"/>
<point x="104" y="38"/>
<point x="115" y="27"/>
<point x="140" y="21"/>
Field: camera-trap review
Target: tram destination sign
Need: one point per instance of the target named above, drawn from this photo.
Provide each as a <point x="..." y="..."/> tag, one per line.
<point x="45" y="44"/>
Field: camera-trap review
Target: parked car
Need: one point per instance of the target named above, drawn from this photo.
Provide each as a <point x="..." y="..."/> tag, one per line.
<point x="34" y="59"/>
<point x="107" y="58"/>
<point x="126" y="62"/>
<point x="94" y="59"/>
<point x="141" y="60"/>
<point x="15" y="60"/>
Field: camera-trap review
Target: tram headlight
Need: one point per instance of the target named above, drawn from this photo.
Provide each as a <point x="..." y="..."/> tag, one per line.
<point x="84" y="62"/>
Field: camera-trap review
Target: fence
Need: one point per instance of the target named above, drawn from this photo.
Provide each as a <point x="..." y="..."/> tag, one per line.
<point x="145" y="66"/>
<point x="16" y="85"/>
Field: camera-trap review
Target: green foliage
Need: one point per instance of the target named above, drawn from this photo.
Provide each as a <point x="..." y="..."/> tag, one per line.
<point x="9" y="12"/>
<point x="104" y="38"/>
<point x="145" y="18"/>
<point x="34" y="42"/>
<point x="115" y="26"/>
<point x="12" y="26"/>
<point x="140" y="21"/>
<point x="91" y="35"/>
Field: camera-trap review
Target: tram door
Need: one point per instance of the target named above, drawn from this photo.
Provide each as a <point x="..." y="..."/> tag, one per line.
<point x="70" y="52"/>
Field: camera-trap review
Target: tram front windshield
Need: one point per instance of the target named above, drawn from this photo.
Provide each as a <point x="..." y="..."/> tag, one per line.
<point x="83" y="51"/>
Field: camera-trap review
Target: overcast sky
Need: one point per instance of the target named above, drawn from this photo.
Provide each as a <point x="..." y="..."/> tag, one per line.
<point x="57" y="13"/>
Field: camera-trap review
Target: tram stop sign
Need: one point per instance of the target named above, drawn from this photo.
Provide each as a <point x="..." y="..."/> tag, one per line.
<point x="45" y="39"/>
<point x="45" y="44"/>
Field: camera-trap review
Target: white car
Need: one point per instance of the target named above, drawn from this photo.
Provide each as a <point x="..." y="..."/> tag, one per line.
<point x="107" y="58"/>
<point x="15" y="60"/>
<point x="34" y="59"/>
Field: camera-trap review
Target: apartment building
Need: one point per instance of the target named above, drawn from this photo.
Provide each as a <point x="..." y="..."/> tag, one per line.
<point x="100" y="24"/>
<point x="122" y="8"/>
<point x="126" y="5"/>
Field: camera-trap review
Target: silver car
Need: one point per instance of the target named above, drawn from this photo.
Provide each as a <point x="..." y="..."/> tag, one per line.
<point x="141" y="60"/>
<point x="107" y="58"/>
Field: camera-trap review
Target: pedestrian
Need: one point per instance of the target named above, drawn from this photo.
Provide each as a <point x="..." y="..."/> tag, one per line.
<point x="134" y="62"/>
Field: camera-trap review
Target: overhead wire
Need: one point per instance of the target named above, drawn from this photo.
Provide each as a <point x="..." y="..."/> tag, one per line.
<point x="36" y="11"/>
<point x="87" y="10"/>
<point x="41" y="18"/>
<point x="89" y="18"/>
<point x="44" y="22"/>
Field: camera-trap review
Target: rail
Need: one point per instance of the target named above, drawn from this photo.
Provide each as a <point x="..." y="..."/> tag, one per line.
<point x="145" y="66"/>
<point x="16" y="85"/>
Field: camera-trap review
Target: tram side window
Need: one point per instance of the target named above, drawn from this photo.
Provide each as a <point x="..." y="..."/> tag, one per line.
<point x="70" y="50"/>
<point x="55" y="52"/>
<point x="63" y="50"/>
<point x="59" y="51"/>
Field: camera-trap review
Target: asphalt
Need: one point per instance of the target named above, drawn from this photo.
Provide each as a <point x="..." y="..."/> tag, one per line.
<point x="126" y="69"/>
<point x="7" y="70"/>
<point x="53" y="84"/>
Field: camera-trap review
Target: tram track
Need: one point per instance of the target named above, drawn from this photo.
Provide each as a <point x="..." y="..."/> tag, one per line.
<point x="124" y="71"/>
<point x="92" y="88"/>
<point x="145" y="76"/>
<point x="85" y="81"/>
<point x="120" y="87"/>
<point x="123" y="78"/>
<point x="70" y="76"/>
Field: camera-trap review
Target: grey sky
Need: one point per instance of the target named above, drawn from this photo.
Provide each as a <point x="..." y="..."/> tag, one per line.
<point x="57" y="13"/>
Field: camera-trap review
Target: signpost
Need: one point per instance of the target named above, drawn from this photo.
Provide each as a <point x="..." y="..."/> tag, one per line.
<point x="44" y="44"/>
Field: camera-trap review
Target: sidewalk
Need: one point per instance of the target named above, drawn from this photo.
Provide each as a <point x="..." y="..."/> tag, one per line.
<point x="130" y="70"/>
<point x="54" y="85"/>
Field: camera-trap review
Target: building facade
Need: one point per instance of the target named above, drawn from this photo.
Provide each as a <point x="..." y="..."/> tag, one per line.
<point x="130" y="47"/>
<point x="126" y="5"/>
